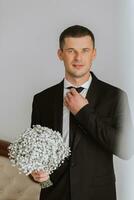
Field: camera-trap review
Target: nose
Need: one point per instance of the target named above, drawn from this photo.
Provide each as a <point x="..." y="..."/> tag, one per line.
<point x="78" y="56"/>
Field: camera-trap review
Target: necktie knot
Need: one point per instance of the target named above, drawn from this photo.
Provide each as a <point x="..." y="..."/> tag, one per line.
<point x="78" y="89"/>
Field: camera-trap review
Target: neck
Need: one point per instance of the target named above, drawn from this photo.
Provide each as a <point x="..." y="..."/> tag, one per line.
<point x="77" y="81"/>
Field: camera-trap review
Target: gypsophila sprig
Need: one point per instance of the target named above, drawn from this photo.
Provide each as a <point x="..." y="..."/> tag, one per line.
<point x="38" y="148"/>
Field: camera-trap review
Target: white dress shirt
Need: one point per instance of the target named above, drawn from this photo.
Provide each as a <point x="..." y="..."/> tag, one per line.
<point x="66" y="112"/>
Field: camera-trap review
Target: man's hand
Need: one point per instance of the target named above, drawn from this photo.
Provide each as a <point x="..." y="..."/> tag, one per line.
<point x="40" y="176"/>
<point x="74" y="101"/>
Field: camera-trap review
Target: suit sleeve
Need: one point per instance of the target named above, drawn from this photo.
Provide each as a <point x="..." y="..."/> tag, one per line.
<point x="114" y="133"/>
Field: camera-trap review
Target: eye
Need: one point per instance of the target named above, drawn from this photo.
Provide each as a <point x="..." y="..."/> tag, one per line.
<point x="86" y="50"/>
<point x="70" y="50"/>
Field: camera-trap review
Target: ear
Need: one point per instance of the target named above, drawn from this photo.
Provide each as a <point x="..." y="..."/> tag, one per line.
<point x="60" y="54"/>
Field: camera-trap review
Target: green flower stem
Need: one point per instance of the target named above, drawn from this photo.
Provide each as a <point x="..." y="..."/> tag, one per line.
<point x="46" y="184"/>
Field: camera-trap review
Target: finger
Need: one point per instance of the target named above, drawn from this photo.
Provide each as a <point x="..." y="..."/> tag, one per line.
<point x="41" y="179"/>
<point x="40" y="173"/>
<point x="42" y="176"/>
<point x="65" y="102"/>
<point x="67" y="98"/>
<point x="73" y="91"/>
<point x="36" y="172"/>
<point x="69" y="93"/>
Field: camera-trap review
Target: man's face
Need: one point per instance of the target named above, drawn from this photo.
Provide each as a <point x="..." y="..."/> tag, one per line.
<point x="77" y="55"/>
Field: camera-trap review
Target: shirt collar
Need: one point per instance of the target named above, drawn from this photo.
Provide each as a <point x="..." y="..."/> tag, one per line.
<point x="84" y="85"/>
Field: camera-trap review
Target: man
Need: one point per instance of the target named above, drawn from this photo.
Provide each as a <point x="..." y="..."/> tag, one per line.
<point x="90" y="120"/>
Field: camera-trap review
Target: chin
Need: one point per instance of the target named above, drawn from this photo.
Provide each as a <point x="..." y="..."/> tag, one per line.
<point x="78" y="75"/>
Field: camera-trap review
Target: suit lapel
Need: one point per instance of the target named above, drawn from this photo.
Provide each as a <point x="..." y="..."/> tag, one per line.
<point x="92" y="91"/>
<point x="58" y="107"/>
<point x="91" y="97"/>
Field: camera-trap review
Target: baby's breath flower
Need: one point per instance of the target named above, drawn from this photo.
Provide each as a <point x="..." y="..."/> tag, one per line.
<point x="38" y="148"/>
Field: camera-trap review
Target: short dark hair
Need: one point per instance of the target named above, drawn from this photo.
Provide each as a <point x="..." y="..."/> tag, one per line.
<point x="75" y="31"/>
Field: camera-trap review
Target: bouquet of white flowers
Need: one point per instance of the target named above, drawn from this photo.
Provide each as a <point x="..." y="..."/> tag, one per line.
<point x="38" y="148"/>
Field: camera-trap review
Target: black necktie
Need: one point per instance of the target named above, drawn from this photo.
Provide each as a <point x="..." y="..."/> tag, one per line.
<point x="72" y="125"/>
<point x="78" y="89"/>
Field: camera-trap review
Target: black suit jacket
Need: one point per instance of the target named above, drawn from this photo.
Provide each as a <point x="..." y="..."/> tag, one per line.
<point x="99" y="133"/>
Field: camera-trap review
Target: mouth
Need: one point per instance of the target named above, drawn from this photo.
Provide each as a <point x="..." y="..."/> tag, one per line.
<point x="78" y="66"/>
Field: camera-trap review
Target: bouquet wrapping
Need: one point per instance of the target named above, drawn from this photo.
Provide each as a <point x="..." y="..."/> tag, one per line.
<point x="38" y="148"/>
